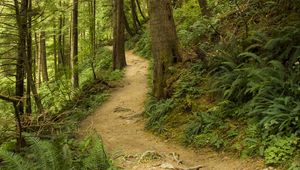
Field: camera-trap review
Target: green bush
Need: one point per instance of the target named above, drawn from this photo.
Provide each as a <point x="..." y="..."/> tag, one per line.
<point x="280" y="149"/>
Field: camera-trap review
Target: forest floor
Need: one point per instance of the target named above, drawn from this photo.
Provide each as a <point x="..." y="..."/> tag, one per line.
<point x="120" y="123"/>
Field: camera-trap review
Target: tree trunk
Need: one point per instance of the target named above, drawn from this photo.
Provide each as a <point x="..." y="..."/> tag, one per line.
<point x="119" y="61"/>
<point x="21" y="18"/>
<point x="135" y="19"/>
<point x="38" y="60"/>
<point x="61" y="45"/>
<point x="93" y="36"/>
<point x="43" y="56"/>
<point x="74" y="46"/>
<point x="127" y="27"/>
<point x="29" y="61"/>
<point x="55" y="51"/>
<point x="28" y="65"/>
<point x="164" y="45"/>
<point x="140" y="9"/>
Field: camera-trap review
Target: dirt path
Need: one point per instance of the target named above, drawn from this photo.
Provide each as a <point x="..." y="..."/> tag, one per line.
<point x="119" y="123"/>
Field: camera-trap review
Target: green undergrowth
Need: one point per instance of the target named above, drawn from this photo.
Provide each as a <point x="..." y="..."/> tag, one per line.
<point x="140" y="43"/>
<point x="237" y="89"/>
<point x="58" y="153"/>
<point x="51" y="140"/>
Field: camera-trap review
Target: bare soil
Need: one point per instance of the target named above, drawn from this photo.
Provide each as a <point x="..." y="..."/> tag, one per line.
<point x="121" y="126"/>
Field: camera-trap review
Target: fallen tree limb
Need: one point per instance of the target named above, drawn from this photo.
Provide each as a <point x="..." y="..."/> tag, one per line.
<point x="8" y="98"/>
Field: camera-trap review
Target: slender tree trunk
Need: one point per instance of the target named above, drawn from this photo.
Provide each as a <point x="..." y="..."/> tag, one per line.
<point x="43" y="56"/>
<point x="164" y="45"/>
<point x="127" y="27"/>
<point x="93" y="35"/>
<point x="55" y="51"/>
<point x="38" y="59"/>
<point x="28" y="63"/>
<point x="21" y="18"/>
<point x="119" y="61"/>
<point x="136" y="22"/>
<point x="61" y="64"/>
<point x="74" y="46"/>
<point x="140" y="9"/>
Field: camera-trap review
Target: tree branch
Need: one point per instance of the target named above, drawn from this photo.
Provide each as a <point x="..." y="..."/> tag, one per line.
<point x="8" y="98"/>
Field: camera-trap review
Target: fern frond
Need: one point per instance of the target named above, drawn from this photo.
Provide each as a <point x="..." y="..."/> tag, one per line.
<point x="46" y="154"/>
<point x="12" y="161"/>
<point x="249" y="55"/>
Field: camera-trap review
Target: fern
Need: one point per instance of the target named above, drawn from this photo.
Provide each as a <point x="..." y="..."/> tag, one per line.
<point x="96" y="158"/>
<point x="45" y="153"/>
<point x="12" y="161"/>
<point x="57" y="155"/>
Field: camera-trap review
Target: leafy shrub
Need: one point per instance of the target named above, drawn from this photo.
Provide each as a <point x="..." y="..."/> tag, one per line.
<point x="157" y="112"/>
<point x="208" y="139"/>
<point x="280" y="149"/>
<point x="189" y="81"/>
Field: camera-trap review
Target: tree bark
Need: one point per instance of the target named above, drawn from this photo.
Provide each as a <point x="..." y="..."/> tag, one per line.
<point x="62" y="65"/>
<point x="38" y="60"/>
<point x="31" y="87"/>
<point x="93" y="36"/>
<point x="74" y="46"/>
<point x="43" y="56"/>
<point x="29" y="61"/>
<point x="21" y="18"/>
<point x="119" y="61"/>
<point x="55" y="51"/>
<point x="164" y="45"/>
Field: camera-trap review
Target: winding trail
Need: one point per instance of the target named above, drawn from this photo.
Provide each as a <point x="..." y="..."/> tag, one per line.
<point x="119" y="123"/>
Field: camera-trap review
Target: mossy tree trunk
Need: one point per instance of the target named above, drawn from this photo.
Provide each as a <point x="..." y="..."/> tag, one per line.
<point x="164" y="45"/>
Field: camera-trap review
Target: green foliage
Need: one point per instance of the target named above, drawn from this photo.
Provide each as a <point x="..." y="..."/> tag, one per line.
<point x="248" y="87"/>
<point x="209" y="139"/>
<point x="58" y="154"/>
<point x="189" y="81"/>
<point x="140" y="44"/>
<point x="157" y="112"/>
<point x="280" y="149"/>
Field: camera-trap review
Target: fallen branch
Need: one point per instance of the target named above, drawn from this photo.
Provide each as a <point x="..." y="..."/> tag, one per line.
<point x="8" y="98"/>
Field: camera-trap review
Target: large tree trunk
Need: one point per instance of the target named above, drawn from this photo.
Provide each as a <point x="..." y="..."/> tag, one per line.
<point x="164" y="45"/>
<point x="74" y="46"/>
<point x="43" y="56"/>
<point x="119" y="61"/>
